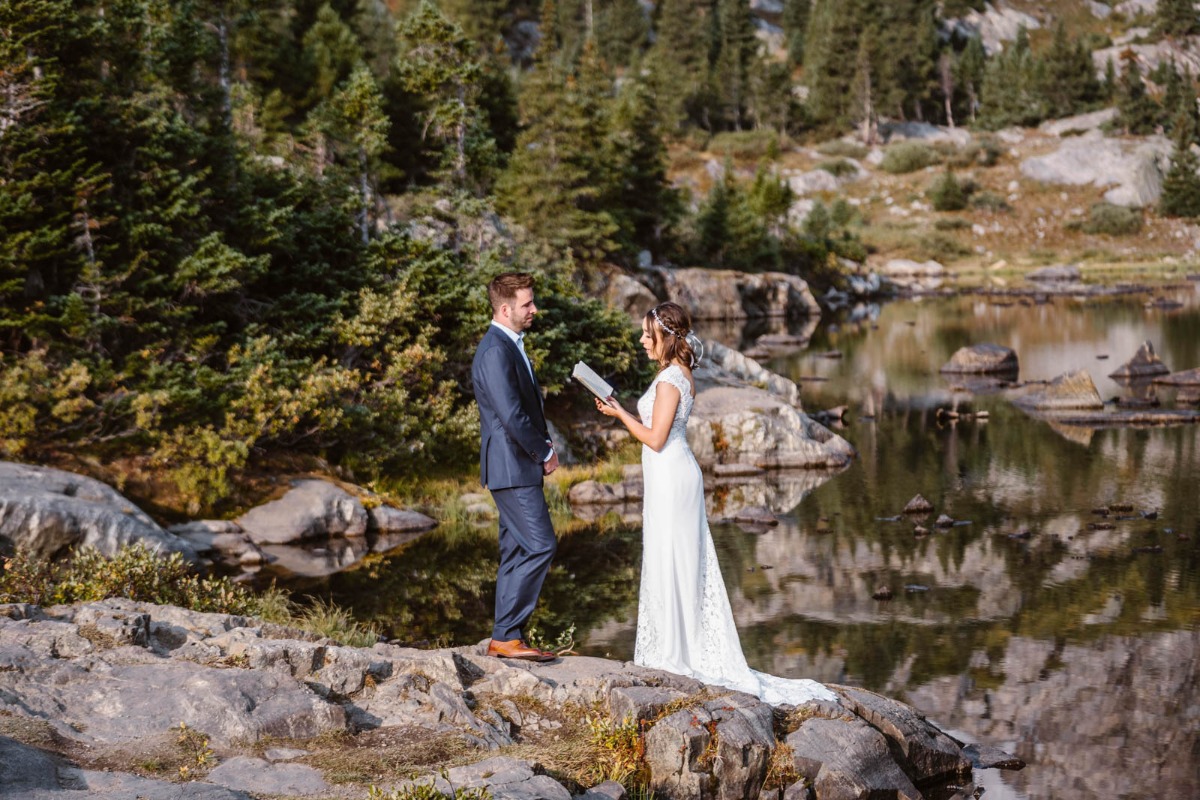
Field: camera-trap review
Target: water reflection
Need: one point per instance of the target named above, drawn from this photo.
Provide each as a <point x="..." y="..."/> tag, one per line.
<point x="1067" y="636"/>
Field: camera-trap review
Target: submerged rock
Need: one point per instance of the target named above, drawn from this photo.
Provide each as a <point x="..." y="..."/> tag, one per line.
<point x="982" y="358"/>
<point x="918" y="505"/>
<point x="1144" y="363"/>
<point x="1188" y="377"/>
<point x="1068" y="391"/>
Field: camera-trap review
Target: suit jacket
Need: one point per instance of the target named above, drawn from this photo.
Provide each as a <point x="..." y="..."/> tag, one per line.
<point x="512" y="425"/>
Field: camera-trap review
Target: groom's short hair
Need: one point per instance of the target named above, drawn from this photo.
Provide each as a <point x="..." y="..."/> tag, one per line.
<point x="504" y="287"/>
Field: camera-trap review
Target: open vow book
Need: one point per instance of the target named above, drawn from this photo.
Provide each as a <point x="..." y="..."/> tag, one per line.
<point x="594" y="383"/>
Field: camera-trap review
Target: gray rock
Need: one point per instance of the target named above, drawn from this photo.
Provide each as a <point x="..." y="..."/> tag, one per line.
<point x="1188" y="377"/>
<point x="108" y="701"/>
<point x="389" y="519"/>
<point x="609" y="790"/>
<point x="751" y="426"/>
<point x="755" y="515"/>
<point x="27" y="773"/>
<point x="505" y="779"/>
<point x="1058" y="273"/>
<point x="595" y="493"/>
<point x="311" y="509"/>
<point x="675" y="752"/>
<point x="897" y="131"/>
<point x="848" y="761"/>
<point x="982" y="358"/>
<point x="49" y="511"/>
<point x="726" y="294"/>
<point x="996" y="24"/>
<point x="640" y="703"/>
<point x="745" y="739"/>
<point x="1080" y="122"/>
<point x="255" y="775"/>
<point x="918" y="505"/>
<point x="725" y="366"/>
<point x="985" y="756"/>
<point x="1144" y="363"/>
<point x="1070" y="390"/>
<point x="1134" y="170"/>
<point x="736" y="470"/>
<point x="928" y="752"/>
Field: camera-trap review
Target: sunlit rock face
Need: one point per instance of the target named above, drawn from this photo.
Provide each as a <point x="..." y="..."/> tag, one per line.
<point x="1083" y="704"/>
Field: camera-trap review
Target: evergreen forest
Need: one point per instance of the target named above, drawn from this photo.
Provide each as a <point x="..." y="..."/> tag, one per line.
<point x="233" y="232"/>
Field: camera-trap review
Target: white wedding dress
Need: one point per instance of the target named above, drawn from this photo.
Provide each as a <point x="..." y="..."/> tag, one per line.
<point x="685" y="623"/>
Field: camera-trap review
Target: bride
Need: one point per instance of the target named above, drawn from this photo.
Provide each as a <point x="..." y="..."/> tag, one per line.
<point x="685" y="624"/>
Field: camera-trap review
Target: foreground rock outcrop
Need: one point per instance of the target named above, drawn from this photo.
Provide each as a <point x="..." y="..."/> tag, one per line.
<point x="118" y="685"/>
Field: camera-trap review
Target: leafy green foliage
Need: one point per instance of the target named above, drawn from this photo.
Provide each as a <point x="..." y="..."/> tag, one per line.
<point x="136" y="573"/>
<point x="946" y="193"/>
<point x="908" y="156"/>
<point x="1112" y="220"/>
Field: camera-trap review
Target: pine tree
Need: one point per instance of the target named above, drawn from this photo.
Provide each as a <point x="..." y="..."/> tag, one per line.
<point x="795" y="28"/>
<point x="436" y="63"/>
<point x="332" y="52"/>
<point x="1109" y="90"/>
<point x="678" y="64"/>
<point x="622" y="31"/>
<point x="354" y="118"/>
<point x="1176" y="18"/>
<point x="970" y="70"/>
<point x="736" y="60"/>
<point x="1010" y="93"/>
<point x="640" y="197"/>
<point x="550" y="184"/>
<point x="1181" y="185"/>
<point x="1069" y="83"/>
<point x="1137" y="112"/>
<point x="833" y="32"/>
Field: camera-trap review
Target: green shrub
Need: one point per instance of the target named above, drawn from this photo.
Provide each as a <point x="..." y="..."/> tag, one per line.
<point x="744" y="144"/>
<point x="951" y="224"/>
<point x="909" y="156"/>
<point x="838" y="167"/>
<point x="840" y="148"/>
<point x="984" y="152"/>
<point x="989" y="201"/>
<point x="842" y="213"/>
<point x="136" y="573"/>
<point x="946" y="194"/>
<point x="1106" y="218"/>
<point x="942" y="248"/>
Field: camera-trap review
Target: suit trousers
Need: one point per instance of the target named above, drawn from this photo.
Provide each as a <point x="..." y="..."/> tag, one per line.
<point x="527" y="544"/>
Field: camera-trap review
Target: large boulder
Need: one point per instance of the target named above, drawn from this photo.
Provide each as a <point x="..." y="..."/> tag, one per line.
<point x="752" y="426"/>
<point x="723" y="365"/>
<point x="996" y="24"/>
<point x="1134" y="169"/>
<point x="48" y="511"/>
<point x="1079" y="123"/>
<point x="727" y="294"/>
<point x="311" y="509"/>
<point x="982" y="358"/>
<point x="1070" y="390"/>
<point x="1145" y="363"/>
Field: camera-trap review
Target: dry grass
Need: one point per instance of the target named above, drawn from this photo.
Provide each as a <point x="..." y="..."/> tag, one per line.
<point x="387" y="754"/>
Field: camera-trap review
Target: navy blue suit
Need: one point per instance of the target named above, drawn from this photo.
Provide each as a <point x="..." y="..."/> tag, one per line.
<point x="514" y="444"/>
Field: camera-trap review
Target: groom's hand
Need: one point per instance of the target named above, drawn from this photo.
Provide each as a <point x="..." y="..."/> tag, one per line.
<point x="551" y="463"/>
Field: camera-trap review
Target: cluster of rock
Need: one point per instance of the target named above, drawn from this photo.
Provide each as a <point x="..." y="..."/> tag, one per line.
<point x="1075" y="391"/>
<point x="93" y="680"/>
<point x="46" y="512"/>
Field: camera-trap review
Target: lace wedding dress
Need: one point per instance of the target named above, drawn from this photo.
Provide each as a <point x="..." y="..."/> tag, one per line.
<point x="685" y="623"/>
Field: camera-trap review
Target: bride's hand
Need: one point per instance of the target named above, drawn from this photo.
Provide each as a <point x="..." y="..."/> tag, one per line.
<point x="608" y="407"/>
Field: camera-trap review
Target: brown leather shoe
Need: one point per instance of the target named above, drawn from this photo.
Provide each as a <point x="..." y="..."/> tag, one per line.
<point x="515" y="648"/>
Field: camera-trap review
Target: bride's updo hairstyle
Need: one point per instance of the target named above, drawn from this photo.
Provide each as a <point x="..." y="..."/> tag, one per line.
<point x="672" y="329"/>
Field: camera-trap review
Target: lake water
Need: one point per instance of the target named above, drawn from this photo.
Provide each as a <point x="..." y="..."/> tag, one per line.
<point x="1069" y="638"/>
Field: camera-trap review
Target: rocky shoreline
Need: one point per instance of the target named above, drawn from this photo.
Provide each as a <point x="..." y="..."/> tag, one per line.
<point x="124" y="699"/>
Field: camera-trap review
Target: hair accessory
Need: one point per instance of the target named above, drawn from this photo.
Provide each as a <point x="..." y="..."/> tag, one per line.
<point x="697" y="348"/>
<point x="663" y="325"/>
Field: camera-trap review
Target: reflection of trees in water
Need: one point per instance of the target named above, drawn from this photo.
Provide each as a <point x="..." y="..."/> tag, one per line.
<point x="442" y="586"/>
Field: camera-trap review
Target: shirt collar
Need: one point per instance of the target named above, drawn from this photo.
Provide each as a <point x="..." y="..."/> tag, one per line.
<point x="516" y="337"/>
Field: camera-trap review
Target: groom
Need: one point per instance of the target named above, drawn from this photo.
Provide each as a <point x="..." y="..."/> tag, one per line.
<point x="515" y="454"/>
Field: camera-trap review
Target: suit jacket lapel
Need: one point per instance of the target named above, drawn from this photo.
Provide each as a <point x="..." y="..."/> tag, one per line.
<point x="522" y="368"/>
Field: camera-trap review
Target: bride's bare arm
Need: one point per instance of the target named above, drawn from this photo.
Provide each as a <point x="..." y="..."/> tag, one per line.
<point x="666" y="400"/>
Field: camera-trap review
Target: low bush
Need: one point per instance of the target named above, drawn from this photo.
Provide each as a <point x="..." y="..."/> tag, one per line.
<point x="942" y="248"/>
<point x="1111" y="220"/>
<point x="838" y="167"/>
<point x="989" y="201"/>
<point x="905" y="157"/>
<point x="840" y="148"/>
<point x="946" y="193"/>
<point x="744" y="144"/>
<point x="951" y="224"/>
